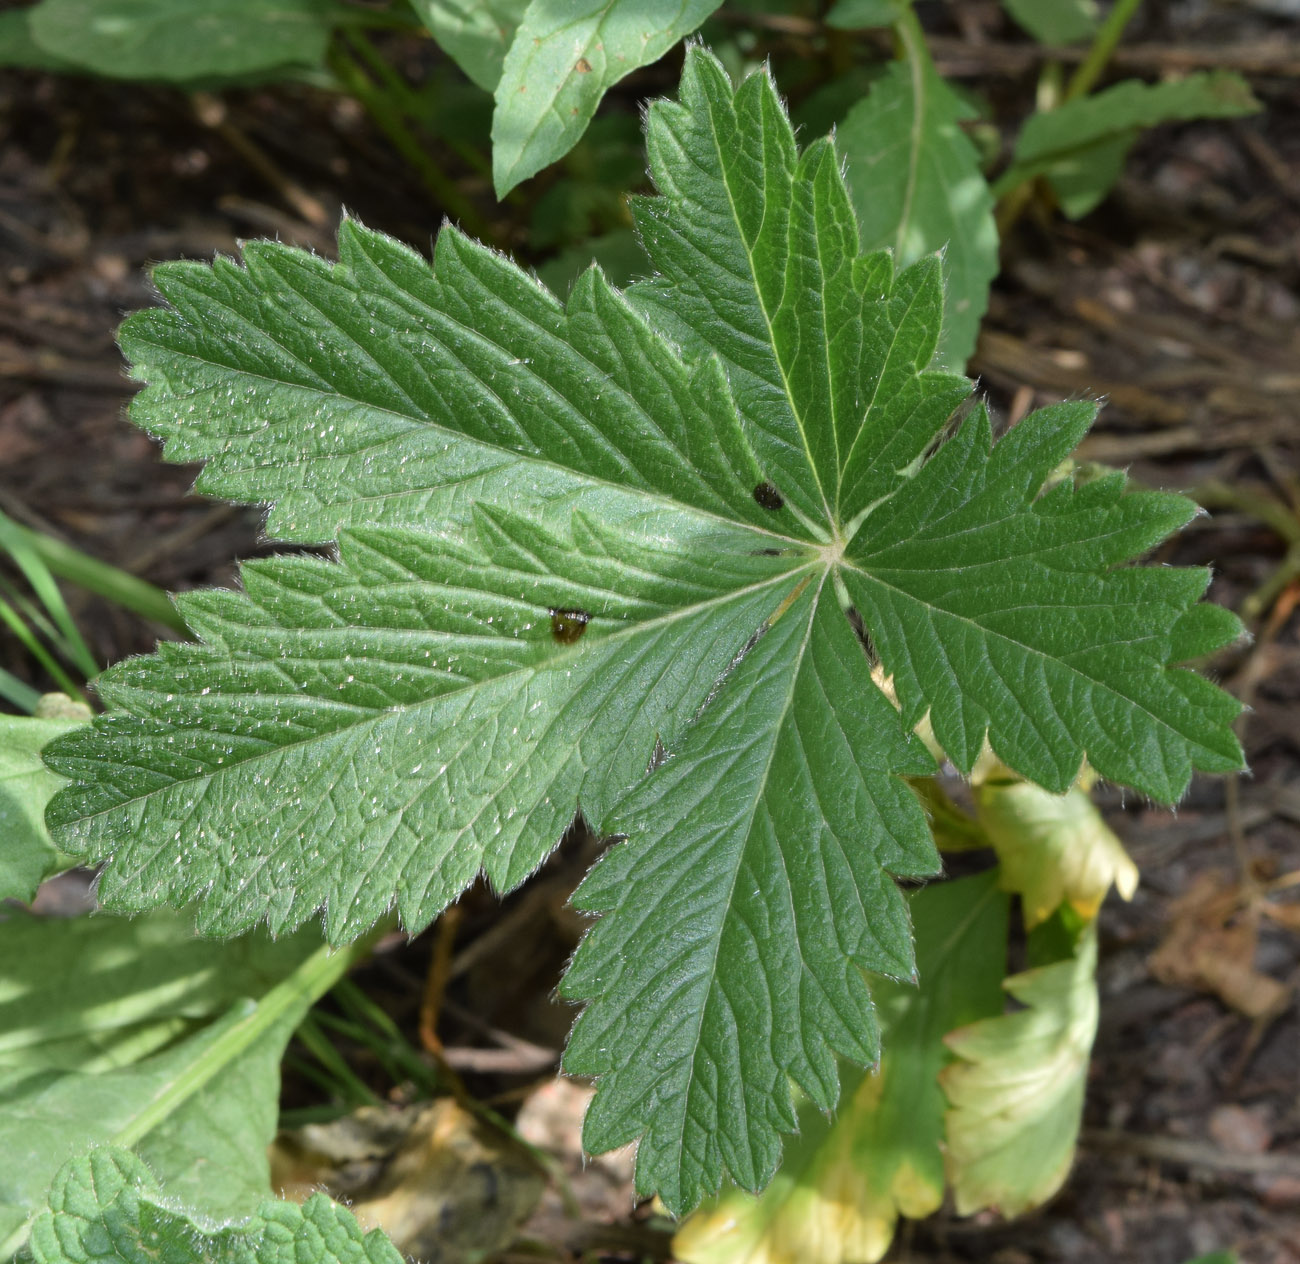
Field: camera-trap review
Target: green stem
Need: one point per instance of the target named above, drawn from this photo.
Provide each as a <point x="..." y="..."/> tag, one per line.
<point x="99" y="577"/>
<point x="306" y="985"/>
<point x="381" y="107"/>
<point x="1104" y="44"/>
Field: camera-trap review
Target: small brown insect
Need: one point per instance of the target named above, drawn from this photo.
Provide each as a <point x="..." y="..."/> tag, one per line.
<point x="584" y="66"/>
<point x="568" y="625"/>
<point x="768" y="496"/>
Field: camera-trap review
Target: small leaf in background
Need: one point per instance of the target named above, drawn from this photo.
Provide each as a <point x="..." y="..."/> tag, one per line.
<point x="1016" y="1091"/>
<point x="18" y="47"/>
<point x="27" y="856"/>
<point x="1081" y="145"/>
<point x="475" y="34"/>
<point x="563" y="59"/>
<point x="1054" y="22"/>
<point x="917" y="188"/>
<point x="184" y="39"/>
<point x="102" y="1018"/>
<point x="846" y="1179"/>
<point x="1053" y="848"/>
<point x="854" y="15"/>
<point x="107" y="1205"/>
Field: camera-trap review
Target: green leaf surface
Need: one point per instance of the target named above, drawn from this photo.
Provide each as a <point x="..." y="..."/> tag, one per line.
<point x="110" y="1023"/>
<point x="575" y="541"/>
<point x="564" y="58"/>
<point x="1081" y="145"/>
<point x="917" y="187"/>
<point x="107" y="1206"/>
<point x="27" y="856"/>
<point x="18" y="47"/>
<point x="845" y="1180"/>
<point x="1054" y="22"/>
<point x="476" y="34"/>
<point x="852" y="15"/>
<point x="184" y="39"/>
<point x="764" y="848"/>
<point x="1016" y="1091"/>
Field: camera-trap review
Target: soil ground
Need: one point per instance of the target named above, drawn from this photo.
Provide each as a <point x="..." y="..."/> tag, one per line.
<point x="1178" y="300"/>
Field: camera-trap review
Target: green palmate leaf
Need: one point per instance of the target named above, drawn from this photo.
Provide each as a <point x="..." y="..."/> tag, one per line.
<point x="845" y="1180"/>
<point x="572" y="538"/>
<point x="917" y="188"/>
<point x="563" y="59"/>
<point x="1054" y="21"/>
<point x="476" y="34"/>
<point x="27" y="856"/>
<point x="184" y="39"/>
<point x="1016" y="1090"/>
<point x="107" y="1206"/>
<point x="117" y="1030"/>
<point x="1081" y="145"/>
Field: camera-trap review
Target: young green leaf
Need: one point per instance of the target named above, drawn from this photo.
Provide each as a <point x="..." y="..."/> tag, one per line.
<point x="1081" y="145"/>
<point x="476" y="34"/>
<point x="184" y="39"/>
<point x="561" y="62"/>
<point x="571" y="537"/>
<point x="1016" y="1091"/>
<point x="27" y="856"/>
<point x="917" y="188"/>
<point x="844" y="1181"/>
<point x="1054" y="22"/>
<point x="108" y="1205"/>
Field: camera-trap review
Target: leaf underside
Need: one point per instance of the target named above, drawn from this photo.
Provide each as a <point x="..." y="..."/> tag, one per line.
<point x="569" y="536"/>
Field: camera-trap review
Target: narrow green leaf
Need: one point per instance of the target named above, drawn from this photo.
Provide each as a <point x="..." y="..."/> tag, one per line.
<point x="1017" y="1089"/>
<point x="845" y="1180"/>
<point x="1054" y="22"/>
<point x="27" y="855"/>
<point x="564" y="58"/>
<point x="917" y="188"/>
<point x="184" y="39"/>
<point x="107" y="1205"/>
<point x="1080" y="146"/>
<point x="475" y="33"/>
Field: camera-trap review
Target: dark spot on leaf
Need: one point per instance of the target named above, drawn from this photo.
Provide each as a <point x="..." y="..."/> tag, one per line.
<point x="568" y="625"/>
<point x="768" y="496"/>
<point x="583" y="67"/>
